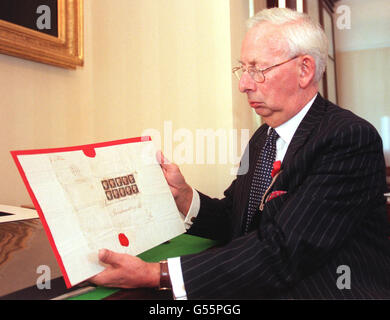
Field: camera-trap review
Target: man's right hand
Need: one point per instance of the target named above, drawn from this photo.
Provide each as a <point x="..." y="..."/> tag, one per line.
<point x="181" y="191"/>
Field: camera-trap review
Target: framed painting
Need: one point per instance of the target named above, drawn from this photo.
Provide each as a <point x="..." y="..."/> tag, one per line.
<point x="46" y="31"/>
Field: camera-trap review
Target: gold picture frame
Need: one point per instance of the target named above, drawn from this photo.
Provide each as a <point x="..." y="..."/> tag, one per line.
<point x="64" y="51"/>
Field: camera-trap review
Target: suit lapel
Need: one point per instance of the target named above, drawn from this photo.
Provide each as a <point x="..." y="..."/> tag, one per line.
<point x="309" y="122"/>
<point x="304" y="132"/>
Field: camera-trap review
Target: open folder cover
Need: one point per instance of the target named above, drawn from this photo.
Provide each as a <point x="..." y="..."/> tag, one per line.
<point x="107" y="195"/>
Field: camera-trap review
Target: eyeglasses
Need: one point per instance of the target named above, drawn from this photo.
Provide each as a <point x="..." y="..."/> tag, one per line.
<point x="255" y="73"/>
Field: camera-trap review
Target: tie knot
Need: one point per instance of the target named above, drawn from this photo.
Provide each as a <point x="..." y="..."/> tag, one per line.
<point x="273" y="135"/>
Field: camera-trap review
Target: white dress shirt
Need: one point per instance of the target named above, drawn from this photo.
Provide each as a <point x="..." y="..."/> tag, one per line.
<point x="286" y="132"/>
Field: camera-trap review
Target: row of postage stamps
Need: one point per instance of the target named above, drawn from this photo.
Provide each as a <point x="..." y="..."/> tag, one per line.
<point x="118" y="182"/>
<point x="120" y="187"/>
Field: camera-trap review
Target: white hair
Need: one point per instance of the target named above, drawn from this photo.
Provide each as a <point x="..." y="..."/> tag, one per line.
<point x="303" y="35"/>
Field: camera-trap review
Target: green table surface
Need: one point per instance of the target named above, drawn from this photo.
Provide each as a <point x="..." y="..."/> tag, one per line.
<point x="179" y="246"/>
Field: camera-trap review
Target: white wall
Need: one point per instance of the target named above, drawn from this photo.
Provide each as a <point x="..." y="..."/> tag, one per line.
<point x="363" y="64"/>
<point x="147" y="63"/>
<point x="370" y="25"/>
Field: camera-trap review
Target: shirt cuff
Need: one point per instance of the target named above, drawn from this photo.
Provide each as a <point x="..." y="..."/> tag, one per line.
<point x="176" y="275"/>
<point x="193" y="211"/>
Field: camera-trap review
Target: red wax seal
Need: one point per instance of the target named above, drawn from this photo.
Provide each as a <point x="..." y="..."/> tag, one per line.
<point x="123" y="240"/>
<point x="89" y="152"/>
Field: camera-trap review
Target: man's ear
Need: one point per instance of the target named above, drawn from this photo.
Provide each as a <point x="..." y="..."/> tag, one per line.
<point x="307" y="71"/>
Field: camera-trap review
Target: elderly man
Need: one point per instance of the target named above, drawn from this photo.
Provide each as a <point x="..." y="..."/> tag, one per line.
<point x="313" y="228"/>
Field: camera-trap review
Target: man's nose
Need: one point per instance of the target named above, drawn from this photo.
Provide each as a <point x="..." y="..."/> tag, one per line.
<point x="246" y="83"/>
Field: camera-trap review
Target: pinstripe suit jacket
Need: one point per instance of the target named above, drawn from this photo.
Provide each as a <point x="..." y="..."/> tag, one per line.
<point x="332" y="215"/>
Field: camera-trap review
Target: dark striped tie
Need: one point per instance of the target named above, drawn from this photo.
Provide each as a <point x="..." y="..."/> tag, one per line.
<point x="262" y="176"/>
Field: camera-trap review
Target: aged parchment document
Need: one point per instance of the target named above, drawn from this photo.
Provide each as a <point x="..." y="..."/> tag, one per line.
<point x="110" y="195"/>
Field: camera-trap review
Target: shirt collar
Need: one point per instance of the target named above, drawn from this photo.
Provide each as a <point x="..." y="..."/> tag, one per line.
<point x="286" y="130"/>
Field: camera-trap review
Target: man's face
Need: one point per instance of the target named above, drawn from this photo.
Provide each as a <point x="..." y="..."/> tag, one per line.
<point x="275" y="99"/>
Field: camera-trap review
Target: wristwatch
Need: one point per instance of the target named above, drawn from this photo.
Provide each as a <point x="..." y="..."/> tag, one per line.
<point x="165" y="279"/>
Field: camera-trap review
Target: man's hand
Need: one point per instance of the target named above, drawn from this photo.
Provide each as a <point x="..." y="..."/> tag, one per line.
<point x="181" y="191"/>
<point x="126" y="271"/>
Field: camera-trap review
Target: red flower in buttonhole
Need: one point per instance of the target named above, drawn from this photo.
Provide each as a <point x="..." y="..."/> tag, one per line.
<point x="276" y="168"/>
